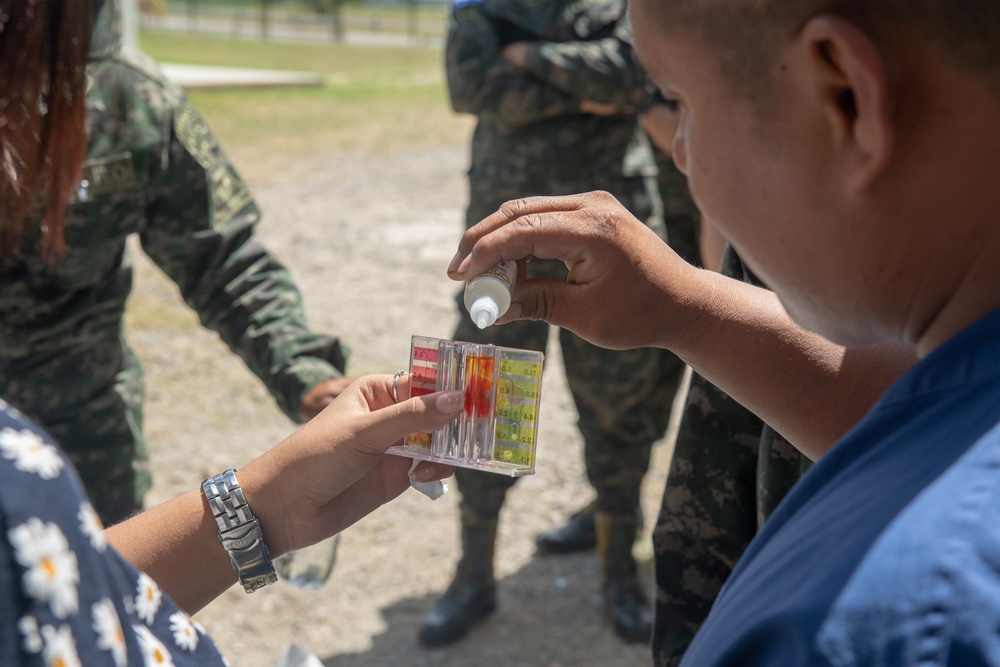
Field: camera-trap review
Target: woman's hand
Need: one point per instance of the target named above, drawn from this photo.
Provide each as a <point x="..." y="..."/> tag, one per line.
<point x="333" y="471"/>
<point x="316" y="482"/>
<point x="624" y="281"/>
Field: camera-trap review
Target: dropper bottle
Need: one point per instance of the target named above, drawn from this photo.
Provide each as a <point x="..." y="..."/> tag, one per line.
<point x="487" y="296"/>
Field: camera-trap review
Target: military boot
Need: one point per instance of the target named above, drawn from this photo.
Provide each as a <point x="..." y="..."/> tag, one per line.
<point x="471" y="597"/>
<point x="624" y="601"/>
<point x="577" y="534"/>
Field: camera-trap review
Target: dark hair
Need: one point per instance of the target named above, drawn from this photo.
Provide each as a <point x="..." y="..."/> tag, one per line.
<point x="43" y="141"/>
<point x="746" y="35"/>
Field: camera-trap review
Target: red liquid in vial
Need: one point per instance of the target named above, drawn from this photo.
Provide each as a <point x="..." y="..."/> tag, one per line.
<point x="478" y="386"/>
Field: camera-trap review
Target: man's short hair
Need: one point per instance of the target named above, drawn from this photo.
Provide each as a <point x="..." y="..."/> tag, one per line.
<point x="746" y="35"/>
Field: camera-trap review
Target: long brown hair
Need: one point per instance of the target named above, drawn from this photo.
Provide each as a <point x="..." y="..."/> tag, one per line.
<point x="43" y="141"/>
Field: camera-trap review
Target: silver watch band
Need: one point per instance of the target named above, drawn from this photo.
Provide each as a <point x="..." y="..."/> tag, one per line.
<point x="239" y="531"/>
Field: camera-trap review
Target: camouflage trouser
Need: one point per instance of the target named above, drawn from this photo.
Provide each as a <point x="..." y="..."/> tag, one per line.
<point x="623" y="397"/>
<point x="91" y="404"/>
<point x="729" y="470"/>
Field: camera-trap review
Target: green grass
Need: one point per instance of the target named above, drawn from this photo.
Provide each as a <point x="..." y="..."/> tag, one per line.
<point x="311" y="57"/>
<point x="375" y="99"/>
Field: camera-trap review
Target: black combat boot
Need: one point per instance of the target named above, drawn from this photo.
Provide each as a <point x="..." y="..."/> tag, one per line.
<point x="577" y="534"/>
<point x="471" y="597"/>
<point x="624" y="601"/>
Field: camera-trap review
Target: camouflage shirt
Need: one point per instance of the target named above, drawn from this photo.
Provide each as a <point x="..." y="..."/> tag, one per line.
<point x="153" y="169"/>
<point x="530" y="124"/>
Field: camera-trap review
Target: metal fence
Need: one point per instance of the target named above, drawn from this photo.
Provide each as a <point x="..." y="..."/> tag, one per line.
<point x="417" y="22"/>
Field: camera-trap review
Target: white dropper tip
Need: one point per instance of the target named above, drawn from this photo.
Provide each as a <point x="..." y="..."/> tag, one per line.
<point x="484" y="311"/>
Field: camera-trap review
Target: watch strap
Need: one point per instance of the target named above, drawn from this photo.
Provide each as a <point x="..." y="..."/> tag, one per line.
<point x="239" y="531"/>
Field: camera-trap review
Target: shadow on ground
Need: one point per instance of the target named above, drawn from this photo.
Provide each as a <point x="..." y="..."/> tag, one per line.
<point x="548" y="614"/>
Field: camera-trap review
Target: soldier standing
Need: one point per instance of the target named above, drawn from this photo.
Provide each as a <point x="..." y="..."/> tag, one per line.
<point x="154" y="169"/>
<point x="556" y="90"/>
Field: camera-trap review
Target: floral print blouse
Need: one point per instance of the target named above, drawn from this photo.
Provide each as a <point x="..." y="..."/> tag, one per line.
<point x="66" y="598"/>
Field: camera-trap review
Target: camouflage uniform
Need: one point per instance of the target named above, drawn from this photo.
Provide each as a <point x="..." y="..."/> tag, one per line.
<point x="532" y="139"/>
<point x="729" y="470"/>
<point x="153" y="169"/>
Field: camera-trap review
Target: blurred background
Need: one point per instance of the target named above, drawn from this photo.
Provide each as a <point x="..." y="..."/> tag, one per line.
<point x="336" y="113"/>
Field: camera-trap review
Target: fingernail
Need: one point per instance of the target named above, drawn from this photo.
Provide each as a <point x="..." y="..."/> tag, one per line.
<point x="463" y="265"/>
<point x="454" y="262"/>
<point x="450" y="401"/>
<point x="426" y="472"/>
<point x="514" y="311"/>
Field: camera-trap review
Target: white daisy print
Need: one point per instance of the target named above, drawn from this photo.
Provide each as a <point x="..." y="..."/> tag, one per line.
<point x="28" y="626"/>
<point x="108" y="627"/>
<point x="147" y="598"/>
<point x="91" y="526"/>
<point x="153" y="651"/>
<point x="185" y="633"/>
<point x="60" y="647"/>
<point x="52" y="572"/>
<point x="30" y="453"/>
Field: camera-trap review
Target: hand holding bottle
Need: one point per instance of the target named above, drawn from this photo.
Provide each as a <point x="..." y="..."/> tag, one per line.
<point x="625" y="288"/>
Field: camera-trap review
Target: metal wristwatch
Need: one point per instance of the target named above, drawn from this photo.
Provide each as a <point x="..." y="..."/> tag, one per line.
<point x="239" y="531"/>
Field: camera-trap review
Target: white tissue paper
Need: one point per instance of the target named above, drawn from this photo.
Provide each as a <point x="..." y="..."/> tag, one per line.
<point x="295" y="656"/>
<point x="432" y="490"/>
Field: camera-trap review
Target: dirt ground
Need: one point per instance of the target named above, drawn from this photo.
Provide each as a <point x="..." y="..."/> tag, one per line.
<point x="368" y="239"/>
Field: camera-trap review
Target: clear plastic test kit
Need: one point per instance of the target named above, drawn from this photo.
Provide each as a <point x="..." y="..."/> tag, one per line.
<point x="498" y="428"/>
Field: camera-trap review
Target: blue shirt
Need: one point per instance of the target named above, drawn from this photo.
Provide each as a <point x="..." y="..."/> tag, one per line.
<point x="66" y="597"/>
<point x="888" y="551"/>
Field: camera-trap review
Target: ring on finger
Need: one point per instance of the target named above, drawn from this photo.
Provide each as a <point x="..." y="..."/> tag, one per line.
<point x="395" y="382"/>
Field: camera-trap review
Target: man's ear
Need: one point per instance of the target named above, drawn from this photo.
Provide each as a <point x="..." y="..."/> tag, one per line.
<point x="853" y="92"/>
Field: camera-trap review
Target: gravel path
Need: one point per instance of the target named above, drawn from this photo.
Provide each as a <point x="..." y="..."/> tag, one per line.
<point x="368" y="238"/>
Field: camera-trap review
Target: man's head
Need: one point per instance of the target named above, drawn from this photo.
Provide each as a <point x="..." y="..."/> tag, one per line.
<point x="843" y="147"/>
<point x="746" y="36"/>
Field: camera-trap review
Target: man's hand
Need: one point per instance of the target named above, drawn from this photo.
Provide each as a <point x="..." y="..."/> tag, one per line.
<point x="602" y="109"/>
<point x="516" y="53"/>
<point x="321" y="396"/>
<point x="624" y="281"/>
